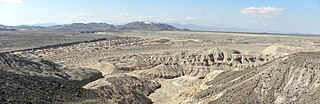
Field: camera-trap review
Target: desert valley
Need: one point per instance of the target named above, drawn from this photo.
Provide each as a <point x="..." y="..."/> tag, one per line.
<point x="143" y="63"/>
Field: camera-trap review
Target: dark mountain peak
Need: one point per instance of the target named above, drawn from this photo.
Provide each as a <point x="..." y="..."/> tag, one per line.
<point x="84" y="26"/>
<point x="146" y="25"/>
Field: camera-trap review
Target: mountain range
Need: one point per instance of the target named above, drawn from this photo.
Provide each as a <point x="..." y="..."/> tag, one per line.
<point x="137" y="25"/>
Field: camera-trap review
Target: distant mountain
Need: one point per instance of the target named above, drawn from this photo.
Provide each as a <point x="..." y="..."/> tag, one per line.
<point x="83" y="26"/>
<point x="1" y="26"/>
<point x="144" y="25"/>
<point x="3" y="29"/>
<point x="6" y="28"/>
<point x="93" y="27"/>
<point x="18" y="28"/>
<point x="45" y="24"/>
<point x="105" y="27"/>
<point x="27" y="27"/>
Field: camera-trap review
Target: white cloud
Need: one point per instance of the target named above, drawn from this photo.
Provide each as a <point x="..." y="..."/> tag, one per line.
<point x="200" y="10"/>
<point x="267" y="12"/>
<point x="34" y="22"/>
<point x="11" y="1"/>
<point x="169" y="20"/>
<point x="124" y="15"/>
<point x="147" y="18"/>
<point x="189" y="18"/>
<point x="75" y="17"/>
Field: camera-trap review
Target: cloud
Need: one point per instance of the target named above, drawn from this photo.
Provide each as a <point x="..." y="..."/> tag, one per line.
<point x="11" y="1"/>
<point x="147" y="18"/>
<point x="75" y="17"/>
<point x="34" y="22"/>
<point x="267" y="12"/>
<point x="200" y="10"/>
<point x="124" y="15"/>
<point x="189" y="18"/>
<point x="168" y="20"/>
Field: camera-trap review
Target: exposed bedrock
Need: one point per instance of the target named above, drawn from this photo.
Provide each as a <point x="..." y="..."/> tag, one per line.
<point x="290" y="79"/>
<point x="175" y="64"/>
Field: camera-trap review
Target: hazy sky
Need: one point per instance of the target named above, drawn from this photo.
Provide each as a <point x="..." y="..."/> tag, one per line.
<point x="301" y="16"/>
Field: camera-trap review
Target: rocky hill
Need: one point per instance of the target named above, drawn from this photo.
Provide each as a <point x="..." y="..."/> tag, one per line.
<point x="16" y="88"/>
<point x="26" y="80"/>
<point x="31" y="67"/>
<point x="290" y="79"/>
<point x="43" y="68"/>
<point x="39" y="81"/>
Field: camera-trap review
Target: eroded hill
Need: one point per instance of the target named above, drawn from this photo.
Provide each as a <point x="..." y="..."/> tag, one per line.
<point x="290" y="79"/>
<point x="26" y="80"/>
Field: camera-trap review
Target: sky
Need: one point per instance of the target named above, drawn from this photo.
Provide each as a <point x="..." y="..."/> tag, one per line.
<point x="287" y="16"/>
